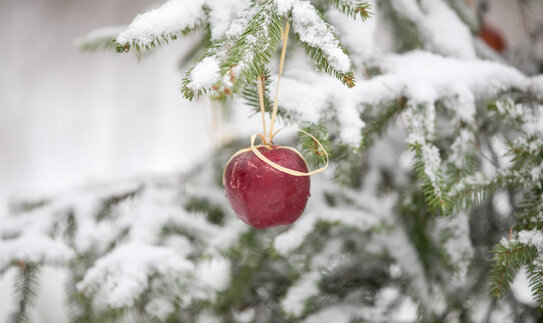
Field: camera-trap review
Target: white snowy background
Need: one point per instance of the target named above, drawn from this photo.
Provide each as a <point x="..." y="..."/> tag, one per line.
<point x="68" y="118"/>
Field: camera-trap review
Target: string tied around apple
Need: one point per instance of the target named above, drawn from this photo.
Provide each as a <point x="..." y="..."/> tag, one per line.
<point x="267" y="141"/>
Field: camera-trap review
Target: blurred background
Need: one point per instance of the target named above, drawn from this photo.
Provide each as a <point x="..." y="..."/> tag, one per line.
<point x="68" y="117"/>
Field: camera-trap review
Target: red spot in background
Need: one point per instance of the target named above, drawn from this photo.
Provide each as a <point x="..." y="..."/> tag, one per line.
<point x="492" y="37"/>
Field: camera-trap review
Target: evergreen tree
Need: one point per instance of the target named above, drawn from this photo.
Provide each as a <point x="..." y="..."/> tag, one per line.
<point x="432" y="201"/>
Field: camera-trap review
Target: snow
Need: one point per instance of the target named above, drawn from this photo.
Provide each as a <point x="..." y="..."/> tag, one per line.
<point x="224" y="239"/>
<point x="367" y="214"/>
<point x="508" y="107"/>
<point x="401" y="249"/>
<point x="422" y="77"/>
<point x="222" y="13"/>
<point x="37" y="225"/>
<point x="444" y="32"/>
<point x="384" y="311"/>
<point x="34" y="249"/>
<point x="301" y="100"/>
<point x="136" y="215"/>
<point x="427" y="77"/>
<point x="463" y="107"/>
<point x="537" y="86"/>
<point x="215" y="273"/>
<point x="293" y="238"/>
<point x="169" y="19"/>
<point x="520" y="287"/>
<point x="536" y="173"/>
<point x="297" y="295"/>
<point x="464" y="144"/>
<point x="208" y="317"/>
<point x="135" y="226"/>
<point x="340" y="314"/>
<point x="432" y="162"/>
<point x="501" y="203"/>
<point x="245" y="316"/>
<point x="179" y="243"/>
<point x="238" y="25"/>
<point x="309" y="100"/>
<point x="455" y="230"/>
<point x="160" y="308"/>
<point x="404" y="309"/>
<point x="531" y="119"/>
<point x="532" y="238"/>
<point x="363" y="216"/>
<point x="350" y="123"/>
<point x="420" y="122"/>
<point x="362" y="44"/>
<point x="313" y="31"/>
<point x="121" y="276"/>
<point x="207" y="72"/>
<point x="284" y="6"/>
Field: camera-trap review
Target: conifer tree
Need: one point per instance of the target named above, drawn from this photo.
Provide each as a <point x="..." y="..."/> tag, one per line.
<point x="432" y="203"/>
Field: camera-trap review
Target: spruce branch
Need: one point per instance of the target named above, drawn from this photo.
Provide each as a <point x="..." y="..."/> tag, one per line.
<point x="526" y="157"/>
<point x="535" y="278"/>
<point x="407" y="36"/>
<point x="250" y="93"/>
<point x="321" y="43"/>
<point x="310" y="149"/>
<point x="530" y="210"/>
<point x="420" y="122"/>
<point x="472" y="190"/>
<point x="519" y="116"/>
<point x="434" y="188"/>
<point x="526" y="153"/>
<point x="353" y="8"/>
<point x="26" y="286"/>
<point x="163" y="24"/>
<point x="163" y="39"/>
<point x="195" y="52"/>
<point x="189" y="91"/>
<point x="109" y="203"/>
<point x="376" y="125"/>
<point x="80" y="306"/>
<point x="255" y="47"/>
<point x="320" y="60"/>
<point x="103" y="38"/>
<point x="463" y="153"/>
<point x="350" y="165"/>
<point x="506" y="262"/>
<point x="241" y="59"/>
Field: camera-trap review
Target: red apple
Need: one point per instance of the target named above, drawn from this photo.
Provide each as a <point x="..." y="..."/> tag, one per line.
<point x="261" y="195"/>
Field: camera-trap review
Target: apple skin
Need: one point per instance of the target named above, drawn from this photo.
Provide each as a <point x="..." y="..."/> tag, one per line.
<point x="261" y="195"/>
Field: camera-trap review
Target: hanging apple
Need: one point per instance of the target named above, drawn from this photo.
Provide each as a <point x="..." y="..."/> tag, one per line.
<point x="261" y="195"/>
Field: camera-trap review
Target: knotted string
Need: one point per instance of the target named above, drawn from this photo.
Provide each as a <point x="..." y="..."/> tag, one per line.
<point x="268" y="141"/>
<point x="255" y="150"/>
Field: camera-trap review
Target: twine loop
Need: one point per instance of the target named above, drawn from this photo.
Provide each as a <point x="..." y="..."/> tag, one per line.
<point x="267" y="141"/>
<point x="283" y="169"/>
